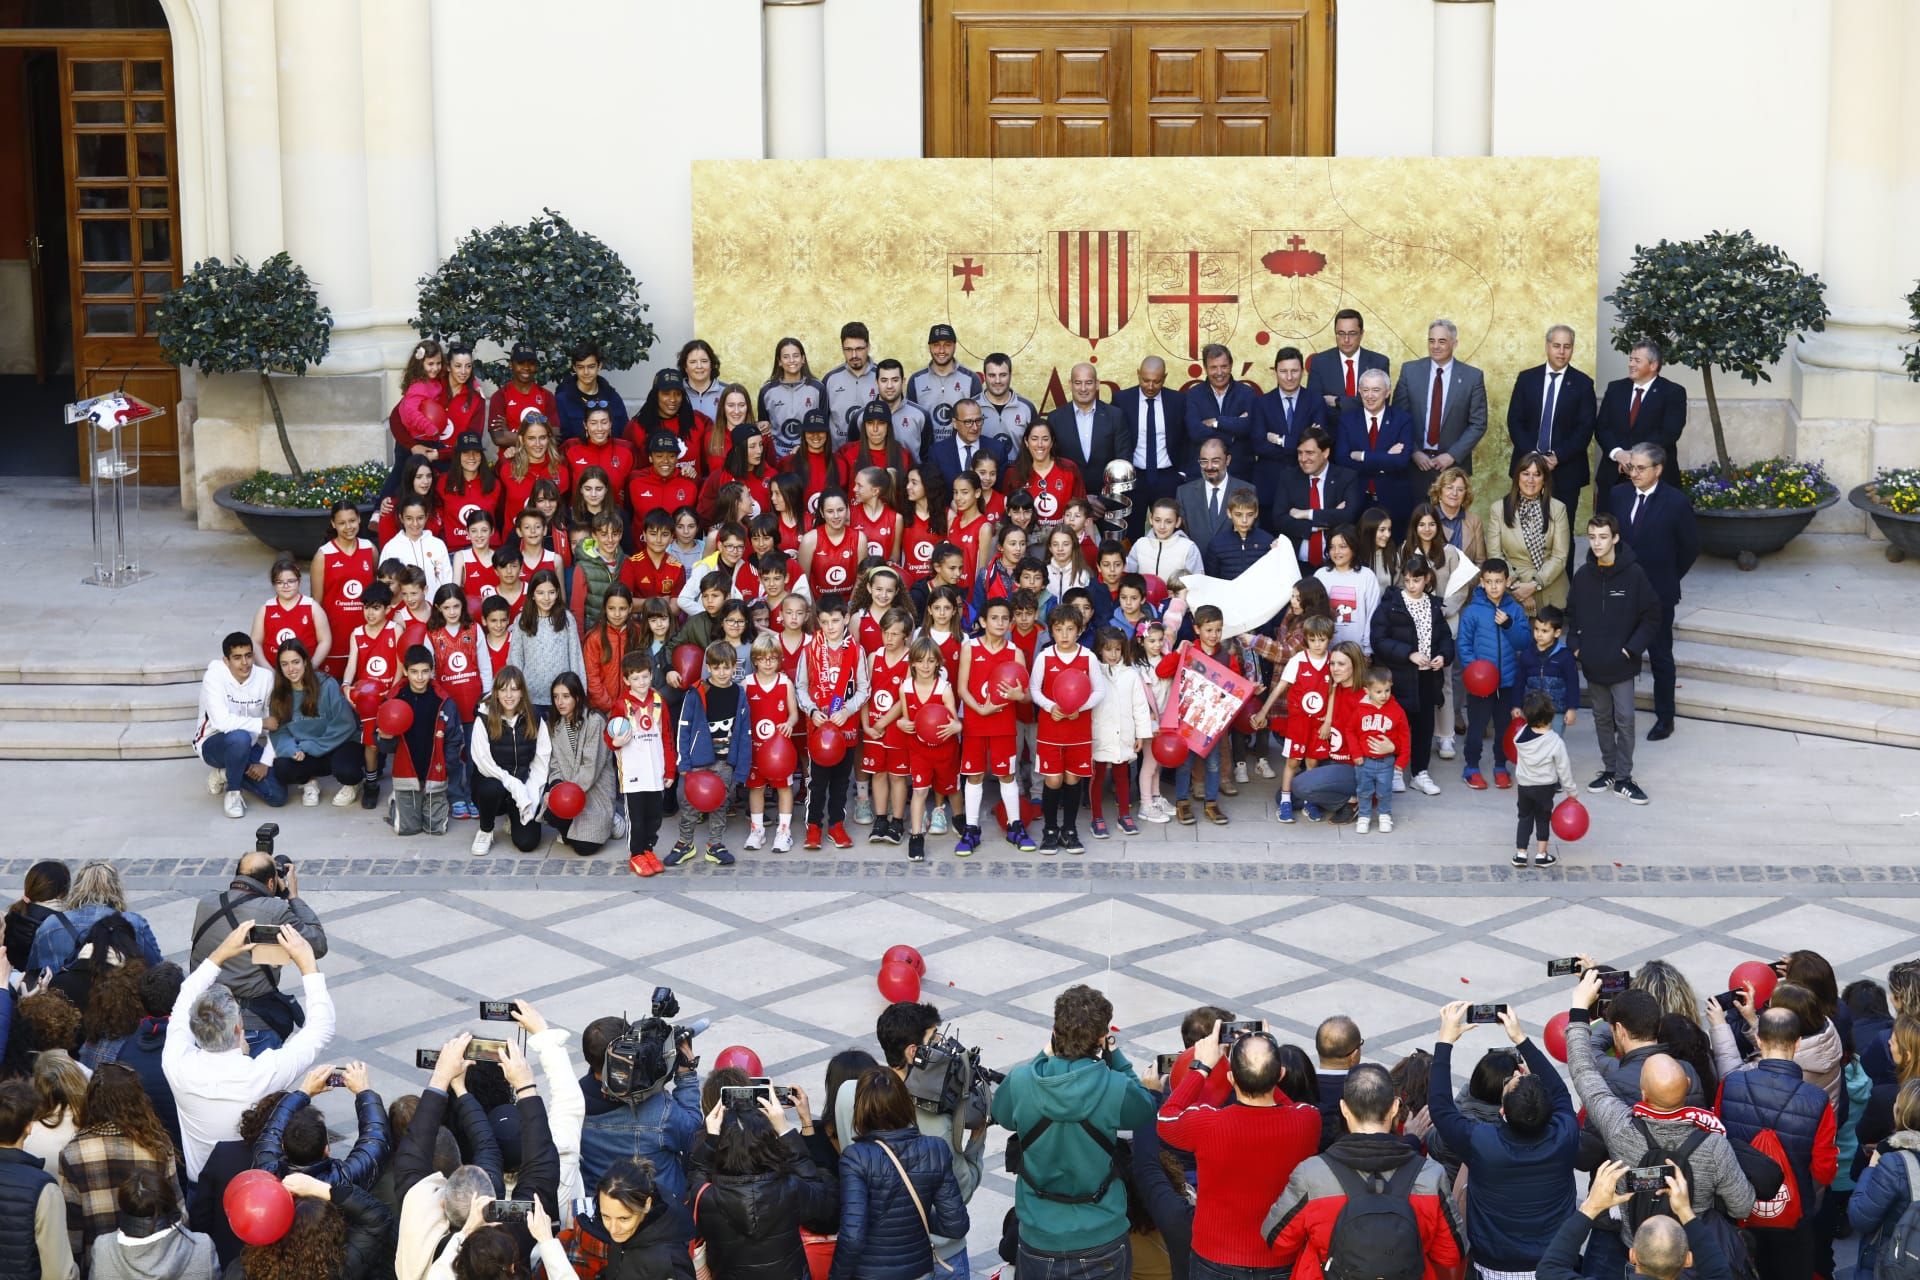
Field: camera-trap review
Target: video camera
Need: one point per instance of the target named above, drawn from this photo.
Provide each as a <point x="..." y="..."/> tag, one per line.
<point x="946" y="1077"/>
<point x="642" y="1057"/>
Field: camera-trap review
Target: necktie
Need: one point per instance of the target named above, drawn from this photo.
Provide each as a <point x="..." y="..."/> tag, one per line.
<point x="1546" y="414"/>
<point x="1316" y="544"/>
<point x="1152" y="456"/>
<point x="1373" y="443"/>
<point x="1633" y="411"/>
<point x="1288" y="401"/>
<point x="1639" y="501"/>
<point x="966" y="457"/>
<point x="1349" y="377"/>
<point x="1213" y="501"/>
<point x="1433" y="408"/>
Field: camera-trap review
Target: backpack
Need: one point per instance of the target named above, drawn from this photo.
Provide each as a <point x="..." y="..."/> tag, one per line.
<point x="1653" y="1204"/>
<point x="1376" y="1235"/>
<point x="1899" y="1255"/>
<point x="1781" y="1210"/>
<point x="1019" y="1143"/>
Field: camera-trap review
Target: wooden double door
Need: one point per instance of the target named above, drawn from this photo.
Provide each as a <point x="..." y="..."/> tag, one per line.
<point x="1045" y="78"/>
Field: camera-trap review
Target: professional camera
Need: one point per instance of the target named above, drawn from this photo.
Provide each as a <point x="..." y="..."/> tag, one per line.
<point x="946" y="1077"/>
<point x="263" y="838"/>
<point x="641" y="1059"/>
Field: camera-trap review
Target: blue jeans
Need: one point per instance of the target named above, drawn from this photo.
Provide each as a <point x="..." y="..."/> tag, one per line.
<point x="1199" y="1268"/>
<point x="258" y="1042"/>
<point x="962" y="1266"/>
<point x="1374" y="781"/>
<point x="459" y="780"/>
<point x="1110" y="1261"/>
<point x="234" y="751"/>
<point x="1480" y="713"/>
<point x="1183" y="785"/>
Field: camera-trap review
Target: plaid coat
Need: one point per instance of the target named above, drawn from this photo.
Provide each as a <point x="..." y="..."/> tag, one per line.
<point x="92" y="1167"/>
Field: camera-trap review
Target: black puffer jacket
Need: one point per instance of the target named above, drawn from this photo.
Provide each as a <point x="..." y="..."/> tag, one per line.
<point x="361" y="1166"/>
<point x="657" y="1249"/>
<point x="1396" y="638"/>
<point x="1612" y="616"/>
<point x="881" y="1235"/>
<point x="751" y="1223"/>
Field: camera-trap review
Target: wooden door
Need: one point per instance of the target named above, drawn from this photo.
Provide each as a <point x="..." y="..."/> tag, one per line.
<point x="1007" y="78"/>
<point x="123" y="225"/>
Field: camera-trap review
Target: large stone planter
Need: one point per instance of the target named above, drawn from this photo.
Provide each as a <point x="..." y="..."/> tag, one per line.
<point x="1745" y="536"/>
<point x="1901" y="531"/>
<point x="299" y="530"/>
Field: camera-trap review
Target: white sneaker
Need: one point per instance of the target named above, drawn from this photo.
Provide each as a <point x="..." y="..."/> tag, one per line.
<point x="216" y="782"/>
<point x="1447" y="749"/>
<point x="1239" y="770"/>
<point x="783" y="840"/>
<point x="310" y="793"/>
<point x="1386" y="823"/>
<point x="619" y="819"/>
<point x="756" y="836"/>
<point x="863" y="810"/>
<point x="236" y="805"/>
<point x="1261" y="767"/>
<point x="1361" y="823"/>
<point x="1424" y="783"/>
<point x="482" y="842"/>
<point x="1155" y="810"/>
<point x="937" y="821"/>
<point x="347" y="795"/>
<point x="1399" y="782"/>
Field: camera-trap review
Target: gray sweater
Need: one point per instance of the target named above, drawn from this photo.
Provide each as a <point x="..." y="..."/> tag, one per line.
<point x="174" y="1254"/>
<point x="543" y="655"/>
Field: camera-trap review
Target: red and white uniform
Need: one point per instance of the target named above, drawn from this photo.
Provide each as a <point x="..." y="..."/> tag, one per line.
<point x="498" y="657"/>
<point x="515" y="493"/>
<point x="968" y="536"/>
<point x="876" y="533"/>
<point x="1028" y="645"/>
<point x="510" y="402"/>
<point x="478" y="580"/>
<point x="1065" y="746"/>
<point x="1308" y="687"/>
<point x="767" y="707"/>
<point x="790" y="535"/>
<point x="547" y="559"/>
<point x="949" y="650"/>
<point x="648" y="492"/>
<point x="1054" y="490"/>
<point x="648" y="579"/>
<point x="989" y="742"/>
<point x="833" y="562"/>
<point x="615" y="457"/>
<point x="994" y="503"/>
<point x="376" y="658"/>
<point x="515" y="603"/>
<point x="346" y="575"/>
<point x="916" y="550"/>
<point x="279" y="624"/>
<point x="866" y="629"/>
<point x="456" y="668"/>
<point x="933" y="766"/>
<point x="888" y="752"/>
<point x="818" y="472"/>
<point x="646" y="763"/>
<point x="457" y="508"/>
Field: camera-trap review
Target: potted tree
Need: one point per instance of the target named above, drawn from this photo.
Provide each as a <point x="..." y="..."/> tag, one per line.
<point x="1892" y="497"/>
<point x="1729" y="302"/>
<point x="235" y="318"/>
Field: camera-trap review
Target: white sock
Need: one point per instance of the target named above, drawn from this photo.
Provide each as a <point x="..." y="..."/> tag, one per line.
<point x="786" y="822"/>
<point x="1286" y="795"/>
<point x="976" y="792"/>
<point x="757" y="822"/>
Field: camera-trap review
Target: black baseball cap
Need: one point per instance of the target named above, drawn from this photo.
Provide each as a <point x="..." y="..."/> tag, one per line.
<point x="522" y="352"/>
<point x="942" y="333"/>
<point x="669" y="380"/>
<point x="663" y="442"/>
<point x="815" y="420"/>
<point x="469" y="442"/>
<point x="876" y="412"/>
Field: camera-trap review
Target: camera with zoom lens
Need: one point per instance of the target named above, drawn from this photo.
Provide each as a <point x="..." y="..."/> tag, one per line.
<point x="945" y="1077"/>
<point x="641" y="1059"/>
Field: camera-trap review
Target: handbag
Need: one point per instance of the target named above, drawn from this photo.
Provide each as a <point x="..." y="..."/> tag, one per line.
<point x="698" y="1245"/>
<point x="938" y="1261"/>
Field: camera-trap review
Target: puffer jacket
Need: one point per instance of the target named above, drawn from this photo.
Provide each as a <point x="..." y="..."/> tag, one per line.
<point x="1480" y="638"/>
<point x="1882" y="1196"/>
<point x="752" y="1222"/>
<point x="881" y="1234"/>
<point x="1773" y="1094"/>
<point x="1123" y="717"/>
<point x="657" y="1249"/>
<point x="1822" y="1059"/>
<point x="362" y="1164"/>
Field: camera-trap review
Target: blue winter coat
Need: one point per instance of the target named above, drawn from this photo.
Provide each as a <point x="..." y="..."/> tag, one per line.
<point x="1882" y="1195"/>
<point x="1478" y="637"/>
<point x="1554" y="673"/>
<point x="1773" y="1094"/>
<point x="54" y="943"/>
<point x="334" y="721"/>
<point x="693" y="740"/>
<point x="881" y="1236"/>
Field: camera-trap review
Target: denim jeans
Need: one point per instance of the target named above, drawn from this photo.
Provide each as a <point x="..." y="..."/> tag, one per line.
<point x="1183" y="785"/>
<point x="1375" y="783"/>
<point x="1199" y="1268"/>
<point x="459" y="770"/>
<point x="233" y="751"/>
<point x="691" y="818"/>
<point x="1480" y="713"/>
<point x="1110" y="1261"/>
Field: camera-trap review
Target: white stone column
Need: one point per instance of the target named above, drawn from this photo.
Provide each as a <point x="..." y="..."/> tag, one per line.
<point x="397" y="62"/>
<point x="323" y="172"/>
<point x="251" y="113"/>
<point x="1463" y="77"/>
<point x="793" y="60"/>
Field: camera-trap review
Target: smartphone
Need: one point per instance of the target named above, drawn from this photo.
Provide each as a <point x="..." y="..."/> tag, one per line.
<point x="783" y="1094"/>
<point x="1484" y="1013"/>
<point x="1163" y="1065"/>
<point x="264" y="935"/>
<point x="496" y="1011"/>
<point x="508" y="1210"/>
<point x="1613" y="982"/>
<point x="426" y="1059"/>
<point x="745" y="1097"/>
<point x="1231" y="1031"/>
<point x="337" y="1080"/>
<point x="479" y="1050"/>
<point x="1563" y="968"/>
<point x="1730" y="1001"/>
<point x="1651" y="1177"/>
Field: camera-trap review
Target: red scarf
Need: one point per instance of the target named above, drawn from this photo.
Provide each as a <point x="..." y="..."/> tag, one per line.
<point x="1698" y="1117"/>
<point x="827" y="670"/>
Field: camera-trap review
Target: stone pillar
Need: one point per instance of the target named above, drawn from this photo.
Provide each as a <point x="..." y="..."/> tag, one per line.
<point x="793" y="60"/>
<point x="1463" y="77"/>
<point x="397" y="59"/>
<point x="252" y="118"/>
<point x="323" y="172"/>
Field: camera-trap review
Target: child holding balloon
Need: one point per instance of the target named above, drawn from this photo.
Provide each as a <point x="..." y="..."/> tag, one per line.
<point x="933" y="754"/>
<point x="1067" y="685"/>
<point x="643" y="758"/>
<point x="773" y="712"/>
<point x="712" y="735"/>
<point x="1541" y="768"/>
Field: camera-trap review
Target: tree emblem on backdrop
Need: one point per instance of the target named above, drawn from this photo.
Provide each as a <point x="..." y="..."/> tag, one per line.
<point x="1297" y="286"/>
<point x="993" y="301"/>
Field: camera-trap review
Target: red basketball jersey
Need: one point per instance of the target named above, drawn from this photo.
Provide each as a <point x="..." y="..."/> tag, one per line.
<point x="1066" y="733"/>
<point x="347" y="575"/>
<point x="1053" y="491"/>
<point x="767" y="707"/>
<point x="457" y="508"/>
<point x="986" y="669"/>
<point x="456" y="667"/>
<point x="968" y="537"/>
<point x="875" y="533"/>
<point x="833" y="562"/>
<point x="279" y="625"/>
<point x="377" y="657"/>
<point x="916" y="550"/>
<point x="883" y="690"/>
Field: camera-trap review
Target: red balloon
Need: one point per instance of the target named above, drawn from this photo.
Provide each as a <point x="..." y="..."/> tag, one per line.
<point x="705" y="791"/>
<point x="1243" y="718"/>
<point x="1760" y="974"/>
<point x="395" y="717"/>
<point x="738" y="1055"/>
<point x="1012" y="675"/>
<point x="435" y="413"/>
<point x="258" y="1207"/>
<point x="415" y="632"/>
<point x="1156" y="590"/>
<point x="566" y="800"/>
<point x="929" y="720"/>
<point x="1481" y="678"/>
<point x="1071" y="689"/>
<point x="1570" y="819"/>
<point x="777" y="757"/>
<point x="904" y="954"/>
<point x="687" y="662"/>
<point x="1509" y="747"/>
<point x="1170" y="749"/>
<point x="898" y="982"/>
<point x="1554" y="1035"/>
<point x="366" y="697"/>
<point x="828" y="745"/>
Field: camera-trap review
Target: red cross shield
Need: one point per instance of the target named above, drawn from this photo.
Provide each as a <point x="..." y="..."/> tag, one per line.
<point x="1193" y="298"/>
<point x="993" y="301"/>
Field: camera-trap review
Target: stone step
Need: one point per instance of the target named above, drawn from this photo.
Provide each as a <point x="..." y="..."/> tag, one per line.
<point x="117" y="703"/>
<point x="1797" y="673"/>
<point x="1810" y="639"/>
<point x="1848" y="718"/>
<point x="98" y="669"/>
<point x="96" y="740"/>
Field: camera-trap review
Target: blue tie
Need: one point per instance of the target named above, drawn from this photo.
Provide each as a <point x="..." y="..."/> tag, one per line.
<point x="1546" y="417"/>
<point x="1153" y="431"/>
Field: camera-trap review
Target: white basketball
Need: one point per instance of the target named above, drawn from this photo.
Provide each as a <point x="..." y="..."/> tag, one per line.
<point x="619" y="726"/>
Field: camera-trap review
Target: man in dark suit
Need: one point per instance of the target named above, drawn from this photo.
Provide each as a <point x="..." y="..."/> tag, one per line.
<point x="1448" y="401"/>
<point x="1656" y="520"/>
<point x="1377" y="441"/>
<point x="1087" y="431"/>
<point x="1203" y="501"/>
<point x="1223" y="408"/>
<point x="1551" y="413"/>
<point x="1333" y="377"/>
<point x="1314" y="497"/>
<point x="956" y="453"/>
<point x="1641" y="408"/>
<point x="1337" y="1044"/>
<point x="1159" y="419"/>
<point x="1278" y="419"/>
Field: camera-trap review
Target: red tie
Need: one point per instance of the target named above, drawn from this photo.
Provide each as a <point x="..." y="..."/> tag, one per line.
<point x="1373" y="431"/>
<point x="1315" y="544"/>
<point x="1433" y="408"/>
<point x="1349" y="375"/>
<point x="1633" y="412"/>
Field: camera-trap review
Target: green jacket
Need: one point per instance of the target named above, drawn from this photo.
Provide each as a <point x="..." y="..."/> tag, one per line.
<point x="1065" y="1159"/>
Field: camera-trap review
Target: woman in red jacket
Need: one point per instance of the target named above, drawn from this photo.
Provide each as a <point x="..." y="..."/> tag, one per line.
<point x="745" y="465"/>
<point x="533" y="461"/>
<point x="876" y="447"/>
<point x="604" y="647"/>
<point x="814" y="462"/>
<point x="415" y="478"/>
<point x="466" y="403"/>
<point x="469" y="485"/>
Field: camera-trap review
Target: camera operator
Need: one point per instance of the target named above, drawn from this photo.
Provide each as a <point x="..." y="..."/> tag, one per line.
<point x="904" y="1030"/>
<point x="1662" y="1248"/>
<point x="265" y="891"/>
<point x="642" y="1093"/>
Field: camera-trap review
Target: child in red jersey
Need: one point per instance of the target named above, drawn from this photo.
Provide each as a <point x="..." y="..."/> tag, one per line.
<point x="874" y="517"/>
<point x="772" y="710"/>
<point x="290" y="616"/>
<point x="496" y="625"/>
<point x="968" y="526"/>
<point x="1302" y="687"/>
<point x="473" y="564"/>
<point x="884" y="755"/>
<point x="509" y="581"/>
<point x="991" y="685"/>
<point x="1064" y="738"/>
<point x="926" y="525"/>
<point x="830" y="551"/>
<point x="933" y="766"/>
<point x="1026" y="635"/>
<point x="463" y="676"/>
<point x="652" y="572"/>
<point x="832" y="687"/>
<point x="342" y="570"/>
<point x="373" y="673"/>
<point x="643" y="750"/>
<point x="1378" y="717"/>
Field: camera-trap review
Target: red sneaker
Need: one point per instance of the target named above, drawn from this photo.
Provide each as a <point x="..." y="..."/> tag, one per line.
<point x="1476" y="780"/>
<point x="1502" y="779"/>
<point x="645" y="864"/>
<point x="813" y="835"/>
<point x="838" y="834"/>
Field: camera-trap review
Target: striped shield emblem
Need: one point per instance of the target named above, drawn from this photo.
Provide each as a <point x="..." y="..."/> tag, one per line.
<point x="1095" y="280"/>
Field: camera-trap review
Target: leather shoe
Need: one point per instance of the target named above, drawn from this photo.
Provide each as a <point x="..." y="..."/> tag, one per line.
<point x="1661" y="731"/>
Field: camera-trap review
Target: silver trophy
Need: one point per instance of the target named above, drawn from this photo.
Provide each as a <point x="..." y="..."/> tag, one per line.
<point x="1116" y="508"/>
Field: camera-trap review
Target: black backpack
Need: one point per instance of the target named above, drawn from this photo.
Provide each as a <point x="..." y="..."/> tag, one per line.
<point x="1653" y="1204"/>
<point x="1899" y="1256"/>
<point x="1376" y="1235"/>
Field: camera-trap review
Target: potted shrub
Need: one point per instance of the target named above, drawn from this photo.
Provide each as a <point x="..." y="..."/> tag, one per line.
<point x="1892" y="498"/>
<point x="1729" y="302"/>
<point x="235" y="318"/>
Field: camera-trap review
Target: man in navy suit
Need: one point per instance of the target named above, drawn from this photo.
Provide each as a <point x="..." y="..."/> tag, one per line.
<point x="1641" y="408"/>
<point x="1222" y="409"/>
<point x="1278" y="419"/>
<point x="1656" y="520"/>
<point x="1333" y="377"/>
<point x="1551" y="414"/>
<point x="1376" y="441"/>
<point x="1087" y="431"/>
<point x="956" y="453"/>
<point x="1159" y="419"/>
<point x="1315" y="497"/>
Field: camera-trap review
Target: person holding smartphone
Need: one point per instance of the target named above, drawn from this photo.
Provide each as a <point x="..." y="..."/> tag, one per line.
<point x="755" y="1185"/>
<point x="265" y="892"/>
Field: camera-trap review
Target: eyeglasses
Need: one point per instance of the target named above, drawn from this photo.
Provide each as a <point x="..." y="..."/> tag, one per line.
<point x="1639" y="466"/>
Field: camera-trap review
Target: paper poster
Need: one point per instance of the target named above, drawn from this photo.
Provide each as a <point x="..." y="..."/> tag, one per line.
<point x="1206" y="696"/>
<point x="1252" y="598"/>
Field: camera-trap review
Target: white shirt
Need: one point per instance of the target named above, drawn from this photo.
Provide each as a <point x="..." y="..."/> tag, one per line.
<point x="966" y="452"/>
<point x="1140" y="458"/>
<point x="426" y="553"/>
<point x="213" y="1090"/>
<point x="1083" y="422"/>
<point x="1640" y="499"/>
<point x="1555" y="383"/>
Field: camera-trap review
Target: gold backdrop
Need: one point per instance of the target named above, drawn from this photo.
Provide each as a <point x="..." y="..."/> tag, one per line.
<point x="1058" y="261"/>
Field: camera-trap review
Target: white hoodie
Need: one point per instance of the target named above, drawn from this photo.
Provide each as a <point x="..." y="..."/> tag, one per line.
<point x="226" y="704"/>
